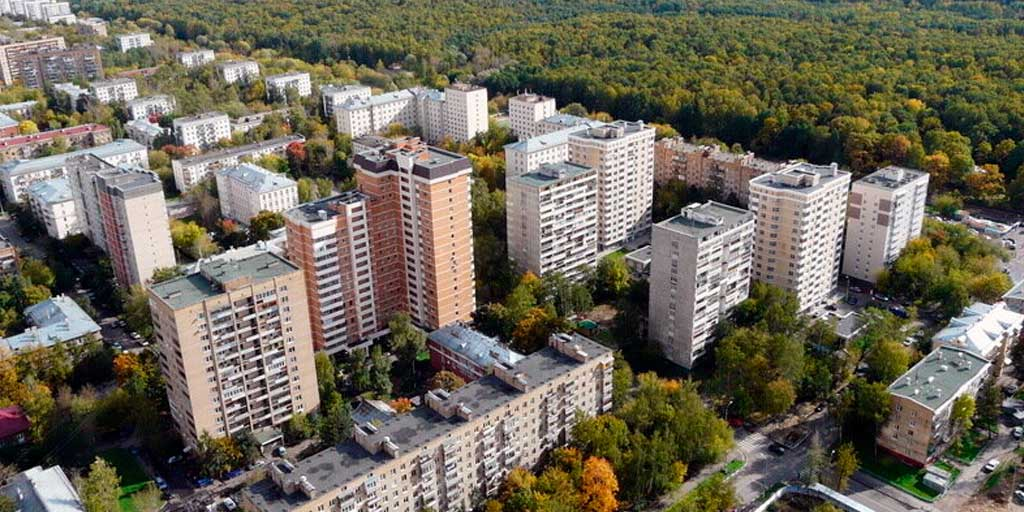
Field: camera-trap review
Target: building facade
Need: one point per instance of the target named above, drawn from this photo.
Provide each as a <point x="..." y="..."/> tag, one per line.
<point x="465" y="112"/>
<point x="17" y="175"/>
<point x="334" y="96"/>
<point x="92" y="27"/>
<point x="623" y="155"/>
<point x="357" y="116"/>
<point x="699" y="270"/>
<point x="46" y="66"/>
<point x="128" y="42"/>
<point x="196" y="58"/>
<point x="32" y="146"/>
<point x="468" y="353"/>
<point x="151" y="106"/>
<point x="243" y="71"/>
<point x="118" y="89"/>
<point x="526" y="110"/>
<point x="552" y="219"/>
<point x="234" y="351"/>
<point x="202" y="131"/>
<point x="708" y="167"/>
<point x="988" y="330"/>
<point x="918" y="429"/>
<point x="144" y="132"/>
<point x="53" y="205"/>
<point x="8" y="51"/>
<point x="188" y="172"/>
<point x="247" y="189"/>
<point x="799" y="213"/>
<point x="278" y="85"/>
<point x="457" y="449"/>
<point x="886" y="211"/>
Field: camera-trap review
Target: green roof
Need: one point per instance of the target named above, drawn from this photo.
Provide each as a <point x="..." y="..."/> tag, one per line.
<point x="209" y="281"/>
<point x="938" y="377"/>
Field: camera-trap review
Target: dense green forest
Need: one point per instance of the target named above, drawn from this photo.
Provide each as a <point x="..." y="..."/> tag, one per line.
<point x="931" y="84"/>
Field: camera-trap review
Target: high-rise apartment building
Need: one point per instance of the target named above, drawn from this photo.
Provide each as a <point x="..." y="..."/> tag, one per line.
<point x="700" y="269"/>
<point x="552" y="147"/>
<point x="334" y="96"/>
<point x="623" y="155"/>
<point x="128" y="42"/>
<point x="243" y="71"/>
<point x="8" y="51"/>
<point x="46" y="66"/>
<point x="196" y="58"/>
<point x="330" y="240"/>
<point x="248" y="189"/>
<point x="457" y="448"/>
<point x="552" y="219"/>
<point x="886" y="211"/>
<point x="799" y="212"/>
<point x="709" y="167"/>
<point x="234" y="345"/>
<point x="526" y="110"/>
<point x="465" y="112"/>
<point x="203" y="130"/>
<point x="118" y="89"/>
<point x="17" y="175"/>
<point x="278" y="85"/>
<point x="123" y="212"/>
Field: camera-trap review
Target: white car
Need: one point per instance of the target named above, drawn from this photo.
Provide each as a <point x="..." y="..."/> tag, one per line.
<point x="229" y="504"/>
<point x="991" y="466"/>
<point x="1017" y="432"/>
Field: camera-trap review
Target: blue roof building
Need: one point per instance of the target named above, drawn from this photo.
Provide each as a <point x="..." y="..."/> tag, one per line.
<point x="466" y="352"/>
<point x="53" y="321"/>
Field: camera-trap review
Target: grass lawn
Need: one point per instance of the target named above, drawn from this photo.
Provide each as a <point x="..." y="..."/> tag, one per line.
<point x="133" y="476"/>
<point x="732" y="467"/>
<point x="970" y="446"/>
<point x="894" y="472"/>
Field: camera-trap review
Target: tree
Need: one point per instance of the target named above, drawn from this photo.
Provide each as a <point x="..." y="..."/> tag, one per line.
<point x="7" y="504"/>
<point x="166" y="274"/>
<point x="101" y="488"/>
<point x="136" y="311"/>
<point x="446" y="380"/>
<point x="263" y="223"/>
<point x="960" y="418"/>
<point x="27" y="127"/>
<point x="989" y="405"/>
<point x="612" y="277"/>
<point x="298" y="428"/>
<point x="948" y="205"/>
<point x="407" y="343"/>
<point x="217" y="455"/>
<point x="336" y="422"/>
<point x="622" y="381"/>
<point x="598" y="486"/>
<point x="359" y="371"/>
<point x="36" y="272"/>
<point x="192" y="239"/>
<point x="845" y="465"/>
<point x="887" y="360"/>
<point x="816" y="463"/>
<point x="248" y="447"/>
<point x="147" y="499"/>
<point x="779" y="396"/>
<point x="326" y="375"/>
<point x="532" y="332"/>
<point x="380" y="372"/>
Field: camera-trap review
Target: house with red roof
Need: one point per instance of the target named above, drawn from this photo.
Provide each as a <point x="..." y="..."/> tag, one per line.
<point x="14" y="426"/>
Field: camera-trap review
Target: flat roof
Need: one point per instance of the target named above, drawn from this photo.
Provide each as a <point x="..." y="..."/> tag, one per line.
<point x="427" y="161"/>
<point x="256" y="178"/>
<point x="938" y="377"/>
<point x="332" y="89"/>
<point x="143" y="100"/>
<point x="323" y="209"/>
<point x="237" y="63"/>
<point x="214" y="156"/>
<point x="378" y="99"/>
<point x="209" y="281"/>
<point x="483" y="350"/>
<point x="551" y="139"/>
<point x="1017" y="292"/>
<point x="43" y="490"/>
<point x="892" y="177"/>
<point x="111" y="82"/>
<point x="611" y="131"/>
<point x="709" y="219"/>
<point x="801" y="177"/>
<point x="287" y="75"/>
<point x="347" y="461"/>
<point x="530" y="97"/>
<point x="53" y="191"/>
<point x="117" y="147"/>
<point x="18" y="140"/>
<point x="200" y="117"/>
<point x="552" y="173"/>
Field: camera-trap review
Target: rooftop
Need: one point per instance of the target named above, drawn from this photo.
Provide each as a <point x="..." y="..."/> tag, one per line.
<point x="205" y="116"/>
<point x="287" y="76"/>
<point x="529" y="97"/>
<point x="235" y="152"/>
<point x="1017" y="292"/>
<point x="117" y="147"/>
<point x="892" y="177"/>
<point x="801" y="177"/>
<point x="938" y="377"/>
<point x="326" y="208"/>
<point x="552" y="173"/>
<point x="460" y="86"/>
<point x="379" y="99"/>
<point x="552" y="139"/>
<point x="332" y="89"/>
<point x="53" y="134"/>
<point x="566" y="120"/>
<point x="980" y="329"/>
<point x="51" y="191"/>
<point x="426" y="161"/>
<point x="128" y="181"/>
<point x="21" y="105"/>
<point x="611" y="131"/>
<point x="142" y="124"/>
<point x="6" y="121"/>
<point x="111" y="83"/>
<point x="56" y="320"/>
<point x="256" y="178"/>
<point x="213" y="275"/>
<point x="483" y="350"/>
<point x="13" y="421"/>
<point x="237" y="64"/>
<point x="145" y="100"/>
<point x="43" y="490"/>
<point x="706" y="220"/>
<point x="347" y="461"/>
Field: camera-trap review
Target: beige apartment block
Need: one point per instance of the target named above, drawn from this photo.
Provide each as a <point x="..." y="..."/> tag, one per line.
<point x="421" y="231"/>
<point x="465" y="111"/>
<point x="9" y="51"/>
<point x="329" y="240"/>
<point x="247" y="189"/>
<point x="202" y="131"/>
<point x="800" y="212"/>
<point x="552" y="219"/>
<point x="234" y="345"/>
<point x="526" y="110"/>
<point x="700" y="269"/>
<point x="709" y="167"/>
<point x="918" y="430"/>
<point x="623" y="155"/>
<point x="886" y="211"/>
<point x="456" y="449"/>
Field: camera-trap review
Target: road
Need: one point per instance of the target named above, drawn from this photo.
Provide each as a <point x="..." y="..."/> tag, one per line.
<point x="883" y="497"/>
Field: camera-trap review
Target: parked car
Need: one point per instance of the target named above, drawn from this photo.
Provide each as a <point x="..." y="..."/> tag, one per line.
<point x="280" y="451"/>
<point x="851" y="301"/>
<point x="777" y="449"/>
<point x="204" y="482"/>
<point x="160" y="483"/>
<point x="1011" y="389"/>
<point x="991" y="466"/>
<point x="1010" y="243"/>
<point x="134" y="335"/>
<point x="1019" y="496"/>
<point x="882" y="298"/>
<point x="234" y="473"/>
<point x="229" y="504"/>
<point x="899" y="311"/>
<point x="1017" y="432"/>
<point x="174" y="459"/>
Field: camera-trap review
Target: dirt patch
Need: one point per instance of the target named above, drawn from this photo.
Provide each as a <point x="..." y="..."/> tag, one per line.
<point x="603" y="314"/>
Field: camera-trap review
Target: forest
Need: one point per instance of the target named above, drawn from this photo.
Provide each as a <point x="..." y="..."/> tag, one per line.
<point x="928" y="84"/>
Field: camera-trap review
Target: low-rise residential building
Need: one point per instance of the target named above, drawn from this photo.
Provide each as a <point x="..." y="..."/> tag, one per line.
<point x="885" y="212"/>
<point x="21" y="108"/>
<point x="58" y="320"/>
<point x="38" y="490"/>
<point x="709" y="167"/>
<point x="53" y="205"/>
<point x="118" y="89"/>
<point x="360" y="116"/>
<point x="202" y="131"/>
<point x="128" y="42"/>
<point x="468" y="353"/>
<point x="72" y="91"/>
<point x="32" y="146"/>
<point x="247" y="189"/>
<point x="552" y="219"/>
<point x="188" y="172"/>
<point x="700" y="270"/>
<point x="639" y="262"/>
<point x="243" y="71"/>
<point x="149" y="107"/>
<point x="92" y="26"/>
<point x="246" y="123"/>
<point x="918" y="429"/>
<point x="526" y="110"/>
<point x="458" y="113"/>
<point x="17" y="175"/>
<point x="14" y="426"/>
<point x="8" y="257"/>
<point x="48" y="11"/>
<point x="217" y="382"/>
<point x="334" y="96"/>
<point x="9" y="127"/>
<point x="458" y="447"/>
<point x="800" y="212"/>
<point x="8" y="51"/>
<point x="1015" y="298"/>
<point x="38" y="68"/>
<point x="146" y="133"/>
<point x="278" y="85"/>
<point x="987" y="330"/>
<point x="195" y="58"/>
